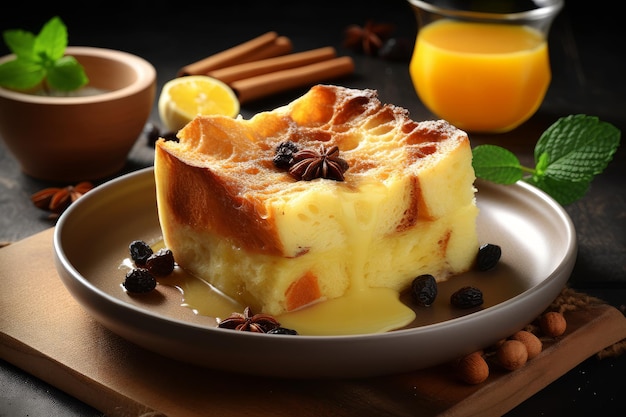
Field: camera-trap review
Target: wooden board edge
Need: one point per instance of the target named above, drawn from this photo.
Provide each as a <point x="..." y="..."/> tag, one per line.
<point x="607" y="327"/>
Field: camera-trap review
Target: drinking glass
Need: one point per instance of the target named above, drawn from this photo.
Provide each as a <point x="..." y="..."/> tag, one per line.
<point x="482" y="65"/>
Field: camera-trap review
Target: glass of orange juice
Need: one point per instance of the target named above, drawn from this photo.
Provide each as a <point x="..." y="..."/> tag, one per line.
<point x="482" y="65"/>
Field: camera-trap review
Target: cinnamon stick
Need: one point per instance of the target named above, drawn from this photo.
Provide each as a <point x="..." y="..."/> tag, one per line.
<point x="232" y="56"/>
<point x="280" y="46"/>
<point x="265" y="66"/>
<point x="249" y="89"/>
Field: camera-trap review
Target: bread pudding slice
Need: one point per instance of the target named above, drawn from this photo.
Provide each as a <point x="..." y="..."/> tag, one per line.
<point x="405" y="207"/>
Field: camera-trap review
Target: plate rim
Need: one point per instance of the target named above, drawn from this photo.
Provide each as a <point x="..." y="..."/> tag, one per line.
<point x="62" y="262"/>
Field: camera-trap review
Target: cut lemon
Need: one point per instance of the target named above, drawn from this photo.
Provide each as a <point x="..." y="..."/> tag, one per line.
<point x="184" y="98"/>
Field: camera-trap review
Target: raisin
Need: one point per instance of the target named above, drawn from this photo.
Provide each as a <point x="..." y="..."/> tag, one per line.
<point x="283" y="330"/>
<point x="467" y="297"/>
<point x="488" y="257"/>
<point x="139" y="280"/>
<point x="283" y="157"/>
<point x="140" y="251"/>
<point x="424" y="290"/>
<point x="161" y="263"/>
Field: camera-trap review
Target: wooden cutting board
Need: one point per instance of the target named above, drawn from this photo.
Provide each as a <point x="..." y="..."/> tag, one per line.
<point x="44" y="331"/>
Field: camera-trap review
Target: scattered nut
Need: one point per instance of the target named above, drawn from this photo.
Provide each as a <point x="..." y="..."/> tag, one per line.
<point x="532" y="342"/>
<point x="512" y="355"/>
<point x="552" y="324"/>
<point x="473" y="368"/>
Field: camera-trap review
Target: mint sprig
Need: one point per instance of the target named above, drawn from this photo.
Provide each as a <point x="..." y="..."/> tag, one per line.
<point x="568" y="155"/>
<point x="40" y="58"/>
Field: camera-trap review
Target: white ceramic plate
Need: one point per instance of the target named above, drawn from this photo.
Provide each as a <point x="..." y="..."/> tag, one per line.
<point x="539" y="249"/>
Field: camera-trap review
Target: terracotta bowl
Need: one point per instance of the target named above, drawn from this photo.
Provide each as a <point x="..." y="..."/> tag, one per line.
<point x="81" y="138"/>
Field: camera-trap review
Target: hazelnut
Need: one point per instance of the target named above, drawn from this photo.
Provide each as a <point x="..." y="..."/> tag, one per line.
<point x="473" y="368"/>
<point x="512" y="354"/>
<point x="532" y="342"/>
<point x="552" y="324"/>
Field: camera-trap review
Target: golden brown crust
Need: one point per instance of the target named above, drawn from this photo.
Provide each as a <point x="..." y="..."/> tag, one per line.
<point x="277" y="244"/>
<point x="215" y="206"/>
<point x="229" y="162"/>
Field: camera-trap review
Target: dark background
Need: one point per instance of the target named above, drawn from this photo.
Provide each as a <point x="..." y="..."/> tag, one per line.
<point x="588" y="54"/>
<point x="589" y="50"/>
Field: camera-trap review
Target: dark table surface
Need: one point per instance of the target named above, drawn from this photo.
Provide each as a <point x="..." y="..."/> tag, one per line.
<point x="587" y="53"/>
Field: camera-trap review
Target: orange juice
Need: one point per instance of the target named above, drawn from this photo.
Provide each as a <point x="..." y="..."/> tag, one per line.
<point x="478" y="76"/>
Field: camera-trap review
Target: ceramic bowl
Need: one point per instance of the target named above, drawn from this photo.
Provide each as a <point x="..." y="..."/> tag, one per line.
<point x="81" y="138"/>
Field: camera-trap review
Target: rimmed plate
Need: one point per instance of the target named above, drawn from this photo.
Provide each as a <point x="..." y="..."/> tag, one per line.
<point x="539" y="250"/>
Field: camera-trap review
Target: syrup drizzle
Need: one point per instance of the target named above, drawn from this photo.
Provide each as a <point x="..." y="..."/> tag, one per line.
<point x="362" y="310"/>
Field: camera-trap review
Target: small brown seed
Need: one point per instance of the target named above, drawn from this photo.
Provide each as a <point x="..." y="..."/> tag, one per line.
<point x="512" y="355"/>
<point x="473" y="369"/>
<point x="532" y="342"/>
<point x="553" y="324"/>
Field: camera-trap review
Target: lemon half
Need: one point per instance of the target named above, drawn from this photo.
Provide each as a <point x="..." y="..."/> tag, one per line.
<point x="184" y="98"/>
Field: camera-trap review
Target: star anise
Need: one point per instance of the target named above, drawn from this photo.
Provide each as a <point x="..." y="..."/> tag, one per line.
<point x="368" y="38"/>
<point x="57" y="199"/>
<point x="309" y="164"/>
<point x="248" y="322"/>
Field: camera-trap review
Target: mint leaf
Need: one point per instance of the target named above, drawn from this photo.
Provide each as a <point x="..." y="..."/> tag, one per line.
<point x="40" y="59"/>
<point x="579" y="147"/>
<point x="496" y="164"/>
<point x="541" y="164"/>
<point x="66" y="74"/>
<point x="51" y="40"/>
<point x="21" y="43"/>
<point x="20" y="74"/>
<point x="568" y="155"/>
